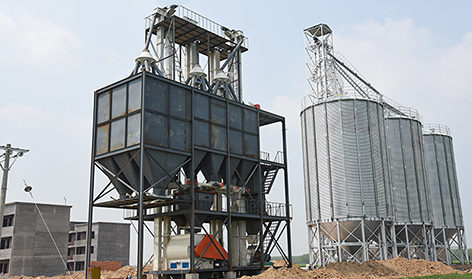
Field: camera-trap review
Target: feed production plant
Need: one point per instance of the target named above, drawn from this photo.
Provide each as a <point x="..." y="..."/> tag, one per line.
<point x="182" y="154"/>
<point x="378" y="184"/>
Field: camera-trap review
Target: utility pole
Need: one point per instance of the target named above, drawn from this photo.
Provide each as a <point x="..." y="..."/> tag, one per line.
<point x="6" y="167"/>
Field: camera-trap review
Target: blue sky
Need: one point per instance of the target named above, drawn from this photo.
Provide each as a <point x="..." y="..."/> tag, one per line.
<point x="54" y="54"/>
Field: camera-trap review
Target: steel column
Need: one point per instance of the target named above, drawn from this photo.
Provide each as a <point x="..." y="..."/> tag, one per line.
<point x="91" y="190"/>
<point x="287" y="200"/>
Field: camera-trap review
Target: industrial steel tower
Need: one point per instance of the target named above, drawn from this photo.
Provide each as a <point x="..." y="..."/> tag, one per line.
<point x="182" y="150"/>
<point x="367" y="183"/>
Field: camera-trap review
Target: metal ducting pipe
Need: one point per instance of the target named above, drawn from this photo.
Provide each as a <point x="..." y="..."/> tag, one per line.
<point x="166" y="238"/>
<point x="191" y="59"/>
<point x="214" y="63"/>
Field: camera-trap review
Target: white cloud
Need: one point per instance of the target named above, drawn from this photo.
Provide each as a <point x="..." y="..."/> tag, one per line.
<point x="37" y="42"/>
<point x="406" y="63"/>
<point x="6" y="22"/>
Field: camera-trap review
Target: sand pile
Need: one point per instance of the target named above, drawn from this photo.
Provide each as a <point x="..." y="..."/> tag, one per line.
<point x="280" y="263"/>
<point x="369" y="269"/>
<point x="413" y="268"/>
<point x="394" y="268"/>
<point x="77" y="275"/>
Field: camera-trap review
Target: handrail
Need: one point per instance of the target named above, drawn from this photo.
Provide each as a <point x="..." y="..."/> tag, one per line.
<point x="436" y="129"/>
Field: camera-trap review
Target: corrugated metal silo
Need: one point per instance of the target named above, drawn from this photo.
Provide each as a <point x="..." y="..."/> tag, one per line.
<point x="412" y="207"/>
<point x="346" y="174"/>
<point x="448" y="232"/>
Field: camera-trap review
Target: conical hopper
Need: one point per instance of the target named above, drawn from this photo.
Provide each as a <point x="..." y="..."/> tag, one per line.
<point x="110" y="164"/>
<point x="197" y="159"/>
<point x="131" y="171"/>
<point x="211" y="165"/>
<point x="245" y="168"/>
<point x="232" y="169"/>
<point x="164" y="163"/>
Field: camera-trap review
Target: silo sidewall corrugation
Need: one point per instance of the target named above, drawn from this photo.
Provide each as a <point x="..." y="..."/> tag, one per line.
<point x="442" y="178"/>
<point x="345" y="160"/>
<point x="409" y="182"/>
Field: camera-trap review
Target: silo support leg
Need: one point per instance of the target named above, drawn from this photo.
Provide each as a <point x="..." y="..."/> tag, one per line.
<point x="384" y="242"/>
<point x="446" y="247"/>
<point x="365" y="256"/>
<point x="425" y="243"/>
<point x="394" y="236"/>
<point x="407" y="237"/>
<point x="320" y="246"/>
<point x="340" y="251"/>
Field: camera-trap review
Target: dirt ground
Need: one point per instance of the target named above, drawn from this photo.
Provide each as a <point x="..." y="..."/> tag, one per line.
<point x="394" y="268"/>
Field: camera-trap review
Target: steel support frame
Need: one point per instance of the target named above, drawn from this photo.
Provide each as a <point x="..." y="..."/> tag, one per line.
<point x="449" y="245"/>
<point x="412" y="241"/>
<point x="325" y="249"/>
<point x="141" y="211"/>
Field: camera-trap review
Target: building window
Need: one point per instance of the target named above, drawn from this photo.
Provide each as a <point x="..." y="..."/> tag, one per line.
<point x="8" y="220"/>
<point x="5" y="243"/>
<point x="70" y="252"/>
<point x="79" y="266"/>
<point x="70" y="266"/>
<point x="93" y="234"/>
<point x="81" y="235"/>
<point x="71" y="237"/>
<point x="80" y="250"/>
<point x="4" y="266"/>
<point x="91" y="249"/>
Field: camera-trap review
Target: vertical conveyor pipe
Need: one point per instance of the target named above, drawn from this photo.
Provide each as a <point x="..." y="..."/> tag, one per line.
<point x="141" y="188"/>
<point x="228" y="186"/>
<point x="192" y="188"/>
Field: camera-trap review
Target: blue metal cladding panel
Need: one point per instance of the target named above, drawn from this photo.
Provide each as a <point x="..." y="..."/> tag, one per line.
<point x="202" y="134"/>
<point x="179" y="132"/>
<point x="155" y="129"/>
<point x="218" y="137"/>
<point x="179" y="102"/>
<point x="103" y="109"/>
<point x="117" y="114"/>
<point x="118" y="97"/>
<point x="251" y="124"/>
<point x="156" y="95"/>
<point x="202" y="103"/>
<point x="236" y="142"/>
<point x="134" y="95"/>
<point x="117" y="134"/>
<point x="218" y="112"/>
<point x="167" y="127"/>
<point x="235" y="117"/>
<point x="134" y="129"/>
<point x="102" y="139"/>
<point x="346" y="160"/>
